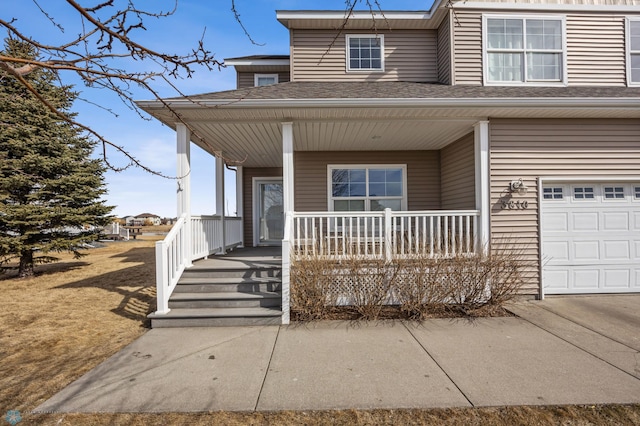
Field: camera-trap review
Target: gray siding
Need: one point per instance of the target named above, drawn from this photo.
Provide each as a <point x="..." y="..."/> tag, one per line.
<point x="529" y="149"/>
<point x="248" y="173"/>
<point x="444" y="51"/>
<point x="595" y="48"/>
<point x="467" y="50"/>
<point x="410" y="55"/>
<point x="247" y="79"/>
<point x="423" y="175"/>
<point x="457" y="165"/>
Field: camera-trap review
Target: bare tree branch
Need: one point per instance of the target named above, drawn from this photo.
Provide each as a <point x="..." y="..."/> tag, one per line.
<point x="96" y="54"/>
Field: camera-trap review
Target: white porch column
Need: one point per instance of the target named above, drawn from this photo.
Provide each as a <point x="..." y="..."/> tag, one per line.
<point x="287" y="167"/>
<point x="288" y="207"/>
<point x="183" y="151"/>
<point x="239" y="198"/>
<point x="483" y="193"/>
<point x="220" y="210"/>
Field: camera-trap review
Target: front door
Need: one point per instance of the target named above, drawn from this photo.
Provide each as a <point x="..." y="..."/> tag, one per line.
<point x="268" y="212"/>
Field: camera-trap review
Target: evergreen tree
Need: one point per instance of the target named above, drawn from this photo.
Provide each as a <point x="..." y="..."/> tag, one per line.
<point x="50" y="187"/>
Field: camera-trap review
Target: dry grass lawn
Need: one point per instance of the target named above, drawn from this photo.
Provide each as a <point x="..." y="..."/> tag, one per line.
<point x="75" y="314"/>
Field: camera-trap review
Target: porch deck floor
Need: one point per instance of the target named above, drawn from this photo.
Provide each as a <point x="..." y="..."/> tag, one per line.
<point x="242" y="258"/>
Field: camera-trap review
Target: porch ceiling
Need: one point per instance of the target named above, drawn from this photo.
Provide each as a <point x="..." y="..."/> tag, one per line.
<point x="259" y="144"/>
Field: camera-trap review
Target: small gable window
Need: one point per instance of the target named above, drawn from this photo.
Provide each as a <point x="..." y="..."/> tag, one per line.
<point x="524" y="50"/>
<point x="365" y="52"/>
<point x="265" y="79"/>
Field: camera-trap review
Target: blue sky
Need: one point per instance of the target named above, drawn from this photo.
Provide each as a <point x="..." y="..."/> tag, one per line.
<point x="135" y="191"/>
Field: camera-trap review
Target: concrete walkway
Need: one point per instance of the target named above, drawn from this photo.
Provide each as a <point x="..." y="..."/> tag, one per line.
<point x="539" y="358"/>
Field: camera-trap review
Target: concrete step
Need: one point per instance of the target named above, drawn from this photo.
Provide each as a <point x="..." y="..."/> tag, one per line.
<point x="227" y="285"/>
<point x="217" y="317"/>
<point x="274" y="271"/>
<point x="225" y="300"/>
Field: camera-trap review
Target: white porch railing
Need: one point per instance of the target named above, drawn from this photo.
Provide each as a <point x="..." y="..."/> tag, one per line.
<point x="173" y="254"/>
<point x="386" y="234"/>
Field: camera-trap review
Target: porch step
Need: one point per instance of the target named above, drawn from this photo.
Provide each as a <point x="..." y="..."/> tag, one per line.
<point x="262" y="271"/>
<point x="217" y="317"/>
<point x="239" y="289"/>
<point x="227" y="285"/>
<point x="225" y="300"/>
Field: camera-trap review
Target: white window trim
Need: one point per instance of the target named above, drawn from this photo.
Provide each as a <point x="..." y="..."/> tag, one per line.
<point x="628" y="51"/>
<point x="348" y="53"/>
<point x="331" y="167"/>
<point x="595" y="193"/>
<point x="485" y="60"/>
<point x="624" y="199"/>
<point x="256" y="77"/>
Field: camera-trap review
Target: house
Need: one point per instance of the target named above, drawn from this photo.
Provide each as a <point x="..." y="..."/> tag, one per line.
<point x="143" y="219"/>
<point x="479" y="123"/>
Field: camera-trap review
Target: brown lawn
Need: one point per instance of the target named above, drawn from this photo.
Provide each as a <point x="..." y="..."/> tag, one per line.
<point x="76" y="313"/>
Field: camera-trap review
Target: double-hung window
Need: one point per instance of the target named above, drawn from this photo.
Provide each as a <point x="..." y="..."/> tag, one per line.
<point x="365" y="52"/>
<point x="524" y="50"/>
<point x="367" y="188"/>
<point x="633" y="51"/>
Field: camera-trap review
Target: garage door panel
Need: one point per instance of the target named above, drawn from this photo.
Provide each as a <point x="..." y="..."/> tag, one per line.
<point x="616" y="250"/>
<point x="556" y="250"/>
<point x="556" y="222"/>
<point x="591" y="245"/>
<point x="617" y="278"/>
<point x="615" y="221"/>
<point x="584" y="222"/>
<point x="556" y="279"/>
<point x="586" y="250"/>
<point x="585" y="279"/>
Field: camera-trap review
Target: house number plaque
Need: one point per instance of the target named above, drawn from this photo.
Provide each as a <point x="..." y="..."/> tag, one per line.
<point x="515" y="205"/>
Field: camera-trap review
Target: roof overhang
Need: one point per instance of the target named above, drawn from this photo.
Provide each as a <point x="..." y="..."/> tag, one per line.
<point x="632" y="6"/>
<point x="362" y="19"/>
<point x="248" y="131"/>
<point x="256" y="62"/>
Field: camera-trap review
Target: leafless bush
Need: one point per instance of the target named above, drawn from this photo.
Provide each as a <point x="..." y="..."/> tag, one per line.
<point x="311" y="283"/>
<point x="371" y="285"/>
<point x="420" y="285"/>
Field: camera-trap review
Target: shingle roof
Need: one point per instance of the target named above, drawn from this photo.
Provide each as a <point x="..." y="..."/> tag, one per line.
<point x="257" y="57"/>
<point x="406" y="90"/>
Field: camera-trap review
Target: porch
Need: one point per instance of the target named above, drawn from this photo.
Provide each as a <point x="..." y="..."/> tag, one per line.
<point x="340" y="192"/>
<point x="205" y="277"/>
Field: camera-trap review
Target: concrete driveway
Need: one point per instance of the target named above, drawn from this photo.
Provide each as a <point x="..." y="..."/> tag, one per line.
<point x="606" y="326"/>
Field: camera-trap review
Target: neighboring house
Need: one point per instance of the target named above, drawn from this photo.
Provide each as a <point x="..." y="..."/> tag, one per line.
<point x="143" y="219"/>
<point x="487" y="123"/>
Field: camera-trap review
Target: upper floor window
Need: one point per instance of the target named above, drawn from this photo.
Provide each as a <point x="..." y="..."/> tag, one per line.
<point x="633" y="49"/>
<point x="365" y="52"/>
<point x="524" y="50"/>
<point x="265" y="79"/>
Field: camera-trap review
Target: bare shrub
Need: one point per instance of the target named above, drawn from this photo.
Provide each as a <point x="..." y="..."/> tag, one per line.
<point x="419" y="286"/>
<point x="372" y="281"/>
<point x="311" y="287"/>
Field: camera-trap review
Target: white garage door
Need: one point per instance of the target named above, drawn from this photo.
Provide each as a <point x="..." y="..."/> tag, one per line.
<point x="590" y="238"/>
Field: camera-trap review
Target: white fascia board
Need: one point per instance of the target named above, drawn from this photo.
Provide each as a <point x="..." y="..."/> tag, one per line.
<point x="546" y="7"/>
<point x="357" y="14"/>
<point x="580" y="103"/>
<point x="258" y="62"/>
